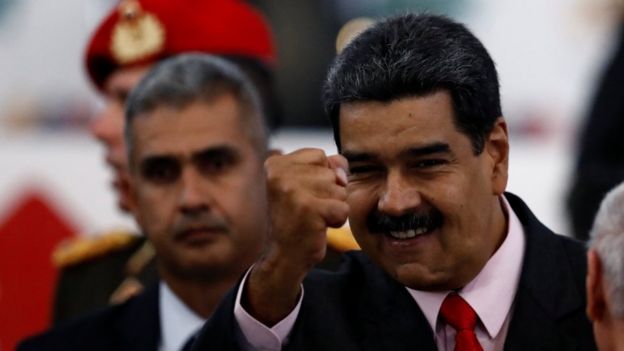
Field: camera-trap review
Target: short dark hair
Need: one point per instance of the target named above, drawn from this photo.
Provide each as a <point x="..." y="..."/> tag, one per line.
<point x="184" y="79"/>
<point x="415" y="55"/>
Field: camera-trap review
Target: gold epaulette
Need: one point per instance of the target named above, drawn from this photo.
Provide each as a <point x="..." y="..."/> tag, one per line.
<point x="85" y="248"/>
<point x="341" y="239"/>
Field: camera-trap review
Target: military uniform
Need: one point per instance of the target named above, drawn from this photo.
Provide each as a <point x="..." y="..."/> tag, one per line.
<point x="95" y="272"/>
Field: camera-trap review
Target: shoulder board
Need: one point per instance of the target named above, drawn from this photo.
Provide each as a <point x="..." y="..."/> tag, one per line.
<point x="341" y="239"/>
<point x="85" y="248"/>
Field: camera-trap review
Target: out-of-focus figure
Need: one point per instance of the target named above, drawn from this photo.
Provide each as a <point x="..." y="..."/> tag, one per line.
<point x="129" y="41"/>
<point x="196" y="143"/>
<point x="605" y="276"/>
<point x="135" y="35"/>
<point x="600" y="163"/>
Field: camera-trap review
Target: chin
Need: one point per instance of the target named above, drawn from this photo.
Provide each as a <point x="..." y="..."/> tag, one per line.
<point x="415" y="277"/>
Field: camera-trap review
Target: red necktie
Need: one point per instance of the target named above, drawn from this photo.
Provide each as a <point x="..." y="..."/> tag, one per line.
<point x="459" y="315"/>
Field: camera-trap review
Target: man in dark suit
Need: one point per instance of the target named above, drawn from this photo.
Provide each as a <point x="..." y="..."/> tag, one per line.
<point x="196" y="145"/>
<point x="450" y="261"/>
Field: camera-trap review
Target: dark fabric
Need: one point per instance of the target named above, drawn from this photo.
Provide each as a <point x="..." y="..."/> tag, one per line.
<point x="87" y="286"/>
<point x="360" y="307"/>
<point x="132" y="326"/>
<point x="600" y="163"/>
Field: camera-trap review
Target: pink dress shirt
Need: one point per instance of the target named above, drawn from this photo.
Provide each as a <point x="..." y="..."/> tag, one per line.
<point x="491" y="294"/>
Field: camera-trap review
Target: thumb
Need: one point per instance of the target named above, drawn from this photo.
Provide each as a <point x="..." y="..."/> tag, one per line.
<point x="340" y="165"/>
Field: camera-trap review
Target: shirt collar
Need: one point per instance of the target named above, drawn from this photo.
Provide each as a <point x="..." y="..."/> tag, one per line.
<point x="492" y="291"/>
<point x="177" y="321"/>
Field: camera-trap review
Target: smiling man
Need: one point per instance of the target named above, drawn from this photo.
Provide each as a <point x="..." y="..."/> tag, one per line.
<point x="450" y="260"/>
<point x="196" y="142"/>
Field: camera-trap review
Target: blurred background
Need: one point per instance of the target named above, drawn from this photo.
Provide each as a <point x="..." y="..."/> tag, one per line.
<point x="549" y="54"/>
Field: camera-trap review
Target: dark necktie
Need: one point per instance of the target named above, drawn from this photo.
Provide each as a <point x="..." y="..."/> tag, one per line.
<point x="459" y="315"/>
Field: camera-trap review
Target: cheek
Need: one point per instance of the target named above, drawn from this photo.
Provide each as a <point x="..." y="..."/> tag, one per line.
<point x="361" y="203"/>
<point x="156" y="208"/>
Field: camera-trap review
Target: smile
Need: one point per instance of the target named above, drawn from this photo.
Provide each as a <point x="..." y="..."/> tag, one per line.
<point x="408" y="234"/>
<point x="405" y="227"/>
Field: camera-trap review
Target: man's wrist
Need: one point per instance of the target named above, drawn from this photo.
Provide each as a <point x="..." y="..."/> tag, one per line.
<point x="272" y="291"/>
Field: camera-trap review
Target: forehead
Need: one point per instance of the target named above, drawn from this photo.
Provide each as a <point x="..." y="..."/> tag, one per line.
<point x="125" y="78"/>
<point x="377" y="126"/>
<point x="195" y="127"/>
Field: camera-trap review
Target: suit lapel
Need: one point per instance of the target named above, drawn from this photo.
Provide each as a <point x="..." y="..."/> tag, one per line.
<point x="139" y="326"/>
<point x="391" y="319"/>
<point x="547" y="291"/>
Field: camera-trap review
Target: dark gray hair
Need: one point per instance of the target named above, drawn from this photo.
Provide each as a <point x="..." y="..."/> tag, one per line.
<point x="607" y="238"/>
<point x="415" y="55"/>
<point x="184" y="79"/>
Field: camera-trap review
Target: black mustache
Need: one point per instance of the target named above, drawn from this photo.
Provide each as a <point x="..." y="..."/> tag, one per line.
<point x="378" y="222"/>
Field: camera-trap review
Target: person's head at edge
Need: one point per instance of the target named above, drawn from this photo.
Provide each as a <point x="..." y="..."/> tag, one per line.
<point x="415" y="107"/>
<point x="229" y="28"/>
<point x="605" y="275"/>
<point x="197" y="142"/>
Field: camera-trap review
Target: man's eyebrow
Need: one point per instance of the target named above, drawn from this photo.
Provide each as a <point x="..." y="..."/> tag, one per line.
<point x="434" y="148"/>
<point x="419" y="151"/>
<point x="156" y="159"/>
<point x="216" y="151"/>
<point x="352" y="156"/>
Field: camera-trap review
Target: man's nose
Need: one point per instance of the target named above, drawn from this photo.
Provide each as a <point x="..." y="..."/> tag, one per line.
<point x="193" y="196"/>
<point x="398" y="196"/>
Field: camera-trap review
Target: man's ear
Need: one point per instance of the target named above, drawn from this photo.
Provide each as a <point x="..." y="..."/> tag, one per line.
<point x="596" y="302"/>
<point x="497" y="148"/>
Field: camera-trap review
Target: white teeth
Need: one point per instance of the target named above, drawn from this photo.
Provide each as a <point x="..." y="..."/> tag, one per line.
<point x="408" y="234"/>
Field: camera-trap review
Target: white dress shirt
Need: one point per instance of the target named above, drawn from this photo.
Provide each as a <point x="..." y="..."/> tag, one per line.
<point x="491" y="294"/>
<point x="177" y="322"/>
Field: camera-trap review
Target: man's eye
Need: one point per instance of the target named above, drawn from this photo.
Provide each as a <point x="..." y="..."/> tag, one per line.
<point x="360" y="169"/>
<point x="214" y="164"/>
<point x="161" y="171"/>
<point x="429" y="163"/>
<point x="356" y="172"/>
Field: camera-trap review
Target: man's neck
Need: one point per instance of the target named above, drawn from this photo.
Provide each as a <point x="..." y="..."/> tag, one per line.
<point x="200" y="296"/>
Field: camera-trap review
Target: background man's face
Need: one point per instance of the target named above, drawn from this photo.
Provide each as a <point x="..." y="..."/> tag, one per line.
<point x="108" y="126"/>
<point x="199" y="188"/>
<point x="421" y="203"/>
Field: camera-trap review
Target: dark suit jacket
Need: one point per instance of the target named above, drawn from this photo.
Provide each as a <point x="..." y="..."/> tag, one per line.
<point x="133" y="325"/>
<point x="360" y="307"/>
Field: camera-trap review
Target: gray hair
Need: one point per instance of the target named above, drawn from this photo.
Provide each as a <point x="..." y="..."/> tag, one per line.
<point x="184" y="79"/>
<point x="607" y="238"/>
